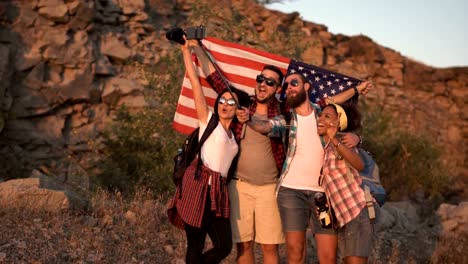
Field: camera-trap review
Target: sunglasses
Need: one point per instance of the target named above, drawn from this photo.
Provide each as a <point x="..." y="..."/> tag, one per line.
<point x="293" y="83"/>
<point x="268" y="81"/>
<point x="229" y="101"/>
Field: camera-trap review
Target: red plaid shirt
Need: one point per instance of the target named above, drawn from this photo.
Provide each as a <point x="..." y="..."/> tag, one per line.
<point x="188" y="204"/>
<point x="342" y="186"/>
<point x="277" y="147"/>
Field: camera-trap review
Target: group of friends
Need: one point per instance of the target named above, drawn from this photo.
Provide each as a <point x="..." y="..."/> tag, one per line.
<point x="247" y="187"/>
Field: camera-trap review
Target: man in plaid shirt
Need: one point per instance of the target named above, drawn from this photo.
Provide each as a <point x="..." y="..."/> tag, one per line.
<point x="254" y="210"/>
<point x="298" y="182"/>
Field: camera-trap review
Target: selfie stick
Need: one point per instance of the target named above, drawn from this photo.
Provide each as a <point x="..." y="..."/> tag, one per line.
<point x="226" y="82"/>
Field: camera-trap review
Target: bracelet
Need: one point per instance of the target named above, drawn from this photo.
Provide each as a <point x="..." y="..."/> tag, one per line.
<point x="355" y="90"/>
<point x="337" y="145"/>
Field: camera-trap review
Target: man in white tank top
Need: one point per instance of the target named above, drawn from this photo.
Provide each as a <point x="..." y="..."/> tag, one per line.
<point x="299" y="180"/>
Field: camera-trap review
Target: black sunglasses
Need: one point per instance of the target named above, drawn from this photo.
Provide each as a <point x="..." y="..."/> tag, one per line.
<point x="268" y="81"/>
<point x="293" y="83"/>
<point x="229" y="101"/>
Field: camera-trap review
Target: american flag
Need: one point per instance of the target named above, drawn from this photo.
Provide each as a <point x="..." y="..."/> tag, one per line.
<point x="240" y="65"/>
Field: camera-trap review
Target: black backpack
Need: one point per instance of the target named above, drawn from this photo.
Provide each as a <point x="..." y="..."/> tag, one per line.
<point x="190" y="149"/>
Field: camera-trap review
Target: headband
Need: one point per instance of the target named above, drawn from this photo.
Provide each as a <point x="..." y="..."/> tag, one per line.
<point x="342" y="116"/>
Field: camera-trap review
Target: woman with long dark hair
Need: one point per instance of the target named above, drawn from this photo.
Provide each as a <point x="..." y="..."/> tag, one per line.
<point x="201" y="203"/>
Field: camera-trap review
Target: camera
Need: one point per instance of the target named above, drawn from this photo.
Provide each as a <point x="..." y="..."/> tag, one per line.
<point x="176" y="34"/>
<point x="196" y="32"/>
<point x="323" y="210"/>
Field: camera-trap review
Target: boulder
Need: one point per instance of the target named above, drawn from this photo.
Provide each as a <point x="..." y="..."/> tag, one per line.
<point x="38" y="194"/>
<point x="113" y="47"/>
<point x="57" y="13"/>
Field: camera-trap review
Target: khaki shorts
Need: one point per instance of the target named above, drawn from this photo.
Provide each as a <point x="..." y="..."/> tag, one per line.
<point x="254" y="213"/>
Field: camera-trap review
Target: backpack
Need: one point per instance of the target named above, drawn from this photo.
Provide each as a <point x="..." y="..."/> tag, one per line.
<point x="189" y="150"/>
<point x="371" y="178"/>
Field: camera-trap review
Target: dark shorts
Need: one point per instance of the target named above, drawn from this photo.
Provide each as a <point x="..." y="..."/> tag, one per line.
<point x="356" y="237"/>
<point x="297" y="210"/>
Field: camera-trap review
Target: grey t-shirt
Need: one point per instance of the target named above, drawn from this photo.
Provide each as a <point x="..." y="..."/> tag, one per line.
<point x="256" y="162"/>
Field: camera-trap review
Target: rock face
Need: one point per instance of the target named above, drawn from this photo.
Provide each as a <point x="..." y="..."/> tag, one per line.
<point x="65" y="65"/>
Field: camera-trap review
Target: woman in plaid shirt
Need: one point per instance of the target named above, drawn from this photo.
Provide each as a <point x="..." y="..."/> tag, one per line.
<point x="201" y="203"/>
<point x="342" y="183"/>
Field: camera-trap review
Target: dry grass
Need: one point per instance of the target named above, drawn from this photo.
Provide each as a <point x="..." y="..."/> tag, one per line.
<point x="112" y="231"/>
<point x="115" y="230"/>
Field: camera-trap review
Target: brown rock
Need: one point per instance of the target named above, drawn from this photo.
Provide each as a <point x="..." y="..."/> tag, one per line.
<point x="104" y="67"/>
<point x="114" y="48"/>
<point x="132" y="6"/>
<point x="58" y="13"/>
<point x="32" y="194"/>
<point x="84" y="15"/>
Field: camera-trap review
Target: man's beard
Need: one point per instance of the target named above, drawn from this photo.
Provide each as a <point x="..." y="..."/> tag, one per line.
<point x="297" y="99"/>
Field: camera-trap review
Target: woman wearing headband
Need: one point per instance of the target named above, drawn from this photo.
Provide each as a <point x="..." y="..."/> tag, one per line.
<point x="342" y="184"/>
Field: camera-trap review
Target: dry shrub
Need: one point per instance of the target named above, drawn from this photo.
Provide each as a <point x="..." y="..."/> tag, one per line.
<point x="452" y="248"/>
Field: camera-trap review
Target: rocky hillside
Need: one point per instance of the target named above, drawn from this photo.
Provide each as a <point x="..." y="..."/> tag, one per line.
<point x="66" y="65"/>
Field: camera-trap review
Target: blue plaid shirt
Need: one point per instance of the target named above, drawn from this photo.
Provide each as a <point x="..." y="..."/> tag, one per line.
<point x="279" y="130"/>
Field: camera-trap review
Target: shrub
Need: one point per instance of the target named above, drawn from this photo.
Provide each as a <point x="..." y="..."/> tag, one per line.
<point x="408" y="163"/>
<point x="133" y="153"/>
<point x="139" y="147"/>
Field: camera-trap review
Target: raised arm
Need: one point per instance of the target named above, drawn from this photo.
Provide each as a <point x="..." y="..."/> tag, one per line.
<point x="198" y="96"/>
<point x="362" y="88"/>
<point x="205" y="63"/>
<point x="213" y="77"/>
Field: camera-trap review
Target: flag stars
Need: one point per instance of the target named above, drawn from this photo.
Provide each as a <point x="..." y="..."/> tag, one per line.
<point x="349" y="83"/>
<point x="329" y="83"/>
<point x="337" y="80"/>
<point x="333" y="91"/>
<point x="300" y="68"/>
<point x="313" y="72"/>
<point x="317" y="79"/>
<point x="341" y="87"/>
<point x="321" y="87"/>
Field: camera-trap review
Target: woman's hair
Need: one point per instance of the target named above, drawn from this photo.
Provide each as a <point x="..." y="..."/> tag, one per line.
<point x="353" y="115"/>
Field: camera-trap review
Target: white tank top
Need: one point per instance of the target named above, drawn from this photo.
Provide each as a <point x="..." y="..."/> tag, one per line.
<point x="304" y="171"/>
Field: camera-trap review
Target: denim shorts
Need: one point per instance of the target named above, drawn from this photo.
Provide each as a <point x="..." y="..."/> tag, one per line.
<point x="356" y="238"/>
<point x="297" y="208"/>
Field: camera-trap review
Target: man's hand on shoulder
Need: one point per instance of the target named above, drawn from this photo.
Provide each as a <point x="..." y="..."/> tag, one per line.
<point x="350" y="140"/>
